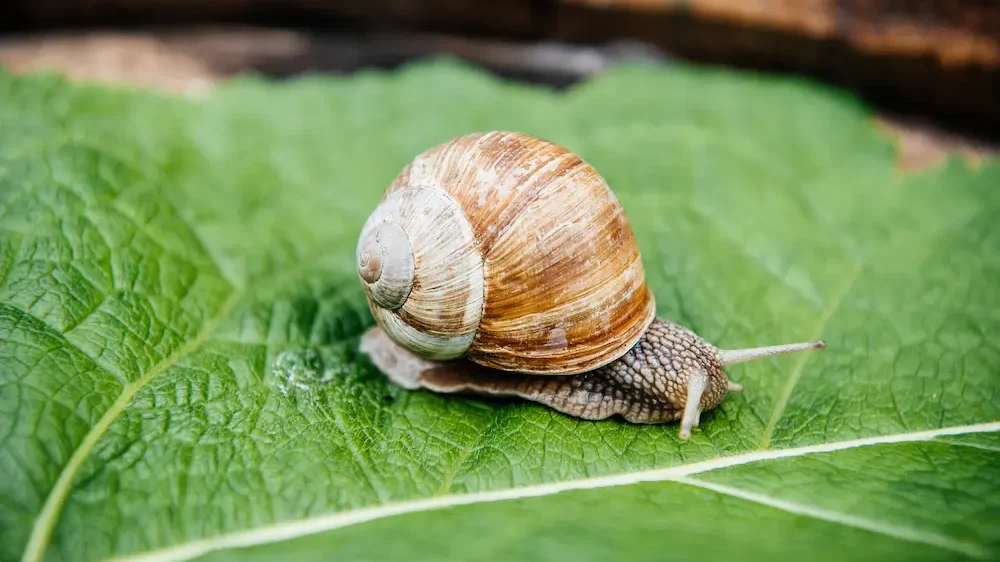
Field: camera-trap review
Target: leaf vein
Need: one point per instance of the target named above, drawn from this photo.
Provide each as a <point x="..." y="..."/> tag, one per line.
<point x="909" y="534"/>
<point x="45" y="522"/>
<point x="56" y="334"/>
<point x="303" y="527"/>
<point x="845" y="287"/>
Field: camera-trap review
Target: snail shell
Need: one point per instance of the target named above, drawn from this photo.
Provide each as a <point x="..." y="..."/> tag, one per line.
<point x="508" y="250"/>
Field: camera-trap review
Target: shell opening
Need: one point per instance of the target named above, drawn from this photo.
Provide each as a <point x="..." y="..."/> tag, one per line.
<point x="385" y="263"/>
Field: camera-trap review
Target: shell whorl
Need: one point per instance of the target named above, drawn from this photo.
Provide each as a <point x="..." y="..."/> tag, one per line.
<point x="385" y="262"/>
<point x="423" y="272"/>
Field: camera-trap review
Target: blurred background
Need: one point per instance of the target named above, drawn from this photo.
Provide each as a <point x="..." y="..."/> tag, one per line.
<point x="931" y="68"/>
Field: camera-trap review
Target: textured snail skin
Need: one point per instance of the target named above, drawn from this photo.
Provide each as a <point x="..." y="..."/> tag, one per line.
<point x="649" y="384"/>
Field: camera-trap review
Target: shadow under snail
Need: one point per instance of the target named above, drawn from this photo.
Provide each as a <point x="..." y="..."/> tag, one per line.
<point x="502" y="264"/>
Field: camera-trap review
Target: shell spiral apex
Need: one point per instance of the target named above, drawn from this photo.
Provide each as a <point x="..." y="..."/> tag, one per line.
<point x="385" y="262"/>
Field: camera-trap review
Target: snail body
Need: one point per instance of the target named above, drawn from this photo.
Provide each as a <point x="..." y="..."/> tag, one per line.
<point x="502" y="264"/>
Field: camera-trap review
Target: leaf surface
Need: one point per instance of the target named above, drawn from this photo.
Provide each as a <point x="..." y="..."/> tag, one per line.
<point x="167" y="264"/>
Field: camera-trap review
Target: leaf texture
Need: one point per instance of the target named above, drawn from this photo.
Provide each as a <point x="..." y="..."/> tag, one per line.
<point x="166" y="263"/>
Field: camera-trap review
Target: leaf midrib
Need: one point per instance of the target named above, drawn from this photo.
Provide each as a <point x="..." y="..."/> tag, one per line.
<point x="680" y="474"/>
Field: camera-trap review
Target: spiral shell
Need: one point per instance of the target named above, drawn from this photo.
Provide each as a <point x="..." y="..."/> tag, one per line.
<point x="508" y="250"/>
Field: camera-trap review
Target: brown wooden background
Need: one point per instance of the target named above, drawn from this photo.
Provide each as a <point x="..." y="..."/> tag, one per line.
<point x="937" y="60"/>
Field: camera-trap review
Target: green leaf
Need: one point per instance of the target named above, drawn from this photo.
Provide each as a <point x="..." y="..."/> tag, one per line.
<point x="179" y="320"/>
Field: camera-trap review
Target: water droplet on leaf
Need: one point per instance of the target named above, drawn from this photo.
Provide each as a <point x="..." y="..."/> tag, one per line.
<point x="299" y="370"/>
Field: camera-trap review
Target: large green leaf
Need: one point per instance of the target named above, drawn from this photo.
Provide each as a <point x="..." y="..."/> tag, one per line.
<point x="179" y="317"/>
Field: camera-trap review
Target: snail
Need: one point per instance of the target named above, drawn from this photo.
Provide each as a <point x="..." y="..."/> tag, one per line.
<point x="502" y="264"/>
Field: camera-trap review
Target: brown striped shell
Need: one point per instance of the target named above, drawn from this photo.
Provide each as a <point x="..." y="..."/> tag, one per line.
<point x="508" y="250"/>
